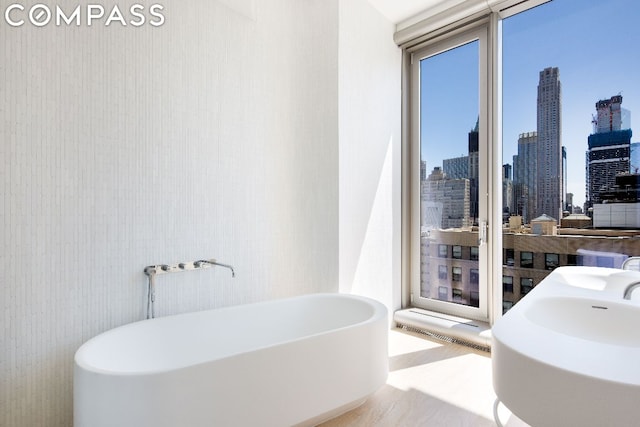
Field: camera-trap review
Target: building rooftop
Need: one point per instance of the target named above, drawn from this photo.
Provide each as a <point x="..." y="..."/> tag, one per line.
<point x="576" y="216"/>
<point x="544" y="217"/>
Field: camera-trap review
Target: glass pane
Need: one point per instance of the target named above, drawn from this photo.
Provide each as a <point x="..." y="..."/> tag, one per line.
<point x="449" y="112"/>
<point x="571" y="188"/>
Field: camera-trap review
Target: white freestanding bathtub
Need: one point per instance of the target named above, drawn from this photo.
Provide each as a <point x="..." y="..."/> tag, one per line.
<point x="296" y="361"/>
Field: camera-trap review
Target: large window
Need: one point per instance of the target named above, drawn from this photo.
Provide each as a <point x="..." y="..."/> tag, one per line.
<point x="570" y="174"/>
<point x="520" y="138"/>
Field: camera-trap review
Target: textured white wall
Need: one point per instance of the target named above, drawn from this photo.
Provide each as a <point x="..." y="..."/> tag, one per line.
<point x="370" y="163"/>
<point x="214" y="135"/>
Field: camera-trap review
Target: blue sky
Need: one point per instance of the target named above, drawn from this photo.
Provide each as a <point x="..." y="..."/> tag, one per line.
<point x="449" y="111"/>
<point x="594" y="43"/>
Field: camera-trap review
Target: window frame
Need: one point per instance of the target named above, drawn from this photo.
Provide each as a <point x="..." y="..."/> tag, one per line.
<point x="474" y="253"/>
<point x="550" y="264"/>
<point x="456" y="252"/>
<point x="441" y="253"/>
<point x="443" y="272"/>
<point x="506" y="258"/>
<point x="481" y="31"/>
<point x="474" y="276"/>
<point x="524" y="286"/>
<point x="533" y="256"/>
<point x="456" y="273"/>
<point x="506" y="283"/>
<point x="411" y="38"/>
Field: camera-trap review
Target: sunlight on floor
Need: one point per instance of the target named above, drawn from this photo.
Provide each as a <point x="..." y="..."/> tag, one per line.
<point x="430" y="383"/>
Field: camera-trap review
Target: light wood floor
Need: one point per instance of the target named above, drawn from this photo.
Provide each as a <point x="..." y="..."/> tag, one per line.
<point x="430" y="383"/>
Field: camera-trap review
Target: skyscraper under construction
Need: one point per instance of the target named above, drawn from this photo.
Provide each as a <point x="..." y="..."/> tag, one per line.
<point x="609" y="149"/>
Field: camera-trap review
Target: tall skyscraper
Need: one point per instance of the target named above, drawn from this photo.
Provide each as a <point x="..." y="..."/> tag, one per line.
<point x="564" y="205"/>
<point x="549" y="146"/>
<point x="570" y="202"/>
<point x="506" y="171"/>
<point x="467" y="167"/>
<point x="524" y="177"/>
<point x="474" y="171"/>
<point x="609" y="151"/>
<point x="507" y="192"/>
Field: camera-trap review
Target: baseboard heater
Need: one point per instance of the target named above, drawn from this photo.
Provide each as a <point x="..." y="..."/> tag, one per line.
<point x="472" y="333"/>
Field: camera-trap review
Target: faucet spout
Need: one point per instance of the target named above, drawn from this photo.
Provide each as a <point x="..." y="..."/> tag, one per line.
<point x="629" y="289"/>
<point x="213" y="262"/>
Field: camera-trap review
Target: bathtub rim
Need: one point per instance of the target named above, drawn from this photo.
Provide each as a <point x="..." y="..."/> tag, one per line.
<point x="379" y="313"/>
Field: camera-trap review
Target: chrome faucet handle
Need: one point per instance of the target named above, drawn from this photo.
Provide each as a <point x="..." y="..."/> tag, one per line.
<point x="631" y="263"/>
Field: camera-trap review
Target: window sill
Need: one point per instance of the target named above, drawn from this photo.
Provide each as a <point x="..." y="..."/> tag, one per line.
<point x="451" y="328"/>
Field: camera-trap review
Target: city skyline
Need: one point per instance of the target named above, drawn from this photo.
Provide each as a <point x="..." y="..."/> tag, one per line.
<point x="591" y="67"/>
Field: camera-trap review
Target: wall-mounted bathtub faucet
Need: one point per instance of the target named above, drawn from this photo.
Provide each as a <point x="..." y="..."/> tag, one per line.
<point x="629" y="290"/>
<point x="153" y="270"/>
<point x="199" y="264"/>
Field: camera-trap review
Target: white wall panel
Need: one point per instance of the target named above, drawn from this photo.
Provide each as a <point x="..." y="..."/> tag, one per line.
<point x="370" y="149"/>
<point x="213" y="135"/>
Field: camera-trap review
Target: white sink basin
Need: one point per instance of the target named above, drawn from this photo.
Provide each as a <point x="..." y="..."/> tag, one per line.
<point x="599" y="321"/>
<point x="610" y="280"/>
<point x="569" y="352"/>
